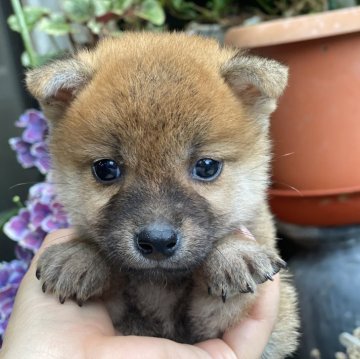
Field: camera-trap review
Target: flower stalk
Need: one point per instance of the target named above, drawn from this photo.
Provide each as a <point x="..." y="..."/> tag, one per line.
<point x="24" y="31"/>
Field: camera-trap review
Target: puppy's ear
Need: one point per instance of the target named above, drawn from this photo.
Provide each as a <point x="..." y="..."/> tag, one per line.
<point x="56" y="84"/>
<point x="258" y="82"/>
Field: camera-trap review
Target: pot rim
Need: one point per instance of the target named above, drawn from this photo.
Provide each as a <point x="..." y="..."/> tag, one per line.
<point x="314" y="193"/>
<point x="297" y="28"/>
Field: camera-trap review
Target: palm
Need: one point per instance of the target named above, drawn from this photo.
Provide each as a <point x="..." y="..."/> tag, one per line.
<point x="40" y="327"/>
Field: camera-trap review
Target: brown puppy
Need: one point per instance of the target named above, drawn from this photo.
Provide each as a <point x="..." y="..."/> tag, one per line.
<point x="160" y="154"/>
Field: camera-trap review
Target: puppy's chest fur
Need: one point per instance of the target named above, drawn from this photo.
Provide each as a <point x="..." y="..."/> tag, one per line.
<point x="179" y="310"/>
<point x="152" y="309"/>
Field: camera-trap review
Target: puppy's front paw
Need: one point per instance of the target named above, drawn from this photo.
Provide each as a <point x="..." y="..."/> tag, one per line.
<point x="237" y="266"/>
<point x="73" y="270"/>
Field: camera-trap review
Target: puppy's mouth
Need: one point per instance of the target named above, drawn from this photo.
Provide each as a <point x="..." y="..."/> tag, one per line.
<point x="181" y="263"/>
<point x="170" y="265"/>
<point x="158" y="273"/>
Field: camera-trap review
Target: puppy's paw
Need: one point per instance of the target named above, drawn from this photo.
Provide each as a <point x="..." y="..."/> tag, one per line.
<point x="73" y="270"/>
<point x="237" y="266"/>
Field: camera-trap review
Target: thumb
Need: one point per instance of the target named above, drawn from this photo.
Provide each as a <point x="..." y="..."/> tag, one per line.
<point x="134" y="347"/>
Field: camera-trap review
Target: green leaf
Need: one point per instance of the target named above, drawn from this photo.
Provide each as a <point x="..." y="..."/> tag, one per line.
<point x="120" y="6"/>
<point x="56" y="25"/>
<point x="152" y="11"/>
<point x="13" y="23"/>
<point x="184" y="9"/>
<point x="102" y="7"/>
<point x="218" y="6"/>
<point x="177" y="4"/>
<point x="32" y="15"/>
<point x="25" y="59"/>
<point x="78" y="10"/>
<point x="95" y="26"/>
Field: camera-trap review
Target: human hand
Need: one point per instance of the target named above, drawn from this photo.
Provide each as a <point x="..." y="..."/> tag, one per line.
<point x="40" y="327"/>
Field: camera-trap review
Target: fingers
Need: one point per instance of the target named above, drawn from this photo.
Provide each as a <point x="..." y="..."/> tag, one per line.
<point x="133" y="347"/>
<point x="248" y="339"/>
<point x="40" y="323"/>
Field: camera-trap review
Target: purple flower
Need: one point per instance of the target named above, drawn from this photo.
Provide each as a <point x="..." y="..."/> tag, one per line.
<point x="22" y="148"/>
<point x="17" y="226"/>
<point x="40" y="152"/>
<point x="35" y="125"/>
<point x="24" y="254"/>
<point x="32" y="148"/>
<point x="42" y="215"/>
<point x="11" y="275"/>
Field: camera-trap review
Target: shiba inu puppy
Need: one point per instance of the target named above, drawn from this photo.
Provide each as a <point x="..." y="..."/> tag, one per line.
<point x="161" y="154"/>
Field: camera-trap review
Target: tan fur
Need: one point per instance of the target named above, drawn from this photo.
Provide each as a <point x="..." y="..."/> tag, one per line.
<point x="156" y="103"/>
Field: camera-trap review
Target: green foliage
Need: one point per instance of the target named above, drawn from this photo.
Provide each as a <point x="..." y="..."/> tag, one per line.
<point x="121" y="6"/>
<point x="83" y="22"/>
<point x="287" y="8"/>
<point x="79" y="10"/>
<point x="187" y="10"/>
<point x="55" y="25"/>
<point x="32" y="15"/>
<point x="152" y="11"/>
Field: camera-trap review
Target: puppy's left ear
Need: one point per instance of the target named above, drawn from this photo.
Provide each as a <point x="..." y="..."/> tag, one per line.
<point x="56" y="85"/>
<point x="258" y="82"/>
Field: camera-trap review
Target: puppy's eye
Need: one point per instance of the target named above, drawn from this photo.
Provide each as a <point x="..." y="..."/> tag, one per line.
<point x="106" y="171"/>
<point x="206" y="169"/>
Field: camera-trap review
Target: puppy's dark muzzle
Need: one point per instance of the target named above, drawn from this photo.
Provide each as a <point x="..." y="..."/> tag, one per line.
<point x="157" y="241"/>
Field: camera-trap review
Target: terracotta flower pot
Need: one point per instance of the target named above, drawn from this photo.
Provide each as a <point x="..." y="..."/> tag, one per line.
<point x="316" y="129"/>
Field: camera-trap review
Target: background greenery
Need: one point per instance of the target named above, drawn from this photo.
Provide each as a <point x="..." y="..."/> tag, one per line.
<point x="83" y="22"/>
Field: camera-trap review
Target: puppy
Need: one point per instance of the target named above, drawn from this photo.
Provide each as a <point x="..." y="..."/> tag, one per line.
<point x="160" y="154"/>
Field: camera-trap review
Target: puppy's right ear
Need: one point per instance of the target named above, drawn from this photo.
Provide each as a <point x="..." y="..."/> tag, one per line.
<point x="56" y="84"/>
<point x="257" y="82"/>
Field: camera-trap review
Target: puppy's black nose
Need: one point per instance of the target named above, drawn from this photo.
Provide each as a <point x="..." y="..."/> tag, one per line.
<point x="157" y="241"/>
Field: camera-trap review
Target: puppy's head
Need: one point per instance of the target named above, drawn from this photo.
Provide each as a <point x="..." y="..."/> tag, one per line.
<point x="159" y="144"/>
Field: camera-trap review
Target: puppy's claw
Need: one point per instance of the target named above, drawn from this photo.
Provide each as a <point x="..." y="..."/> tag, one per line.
<point x="223" y="295"/>
<point x="269" y="277"/>
<point x="249" y="288"/>
<point x="79" y="303"/>
<point x="37" y="273"/>
<point x="209" y="291"/>
<point x="62" y="300"/>
<point x="43" y="288"/>
<point x="280" y="264"/>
